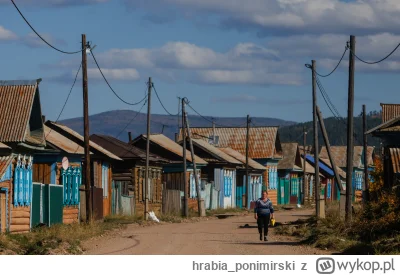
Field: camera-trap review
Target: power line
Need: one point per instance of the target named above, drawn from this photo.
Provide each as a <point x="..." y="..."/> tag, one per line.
<point x="40" y="35"/>
<point x="340" y="61"/>
<point x="375" y="62"/>
<point x="129" y="123"/>
<point x="105" y="79"/>
<point x="159" y="99"/>
<point x="66" y="101"/>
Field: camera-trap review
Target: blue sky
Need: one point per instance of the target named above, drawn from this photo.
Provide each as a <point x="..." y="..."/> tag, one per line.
<point x="229" y="58"/>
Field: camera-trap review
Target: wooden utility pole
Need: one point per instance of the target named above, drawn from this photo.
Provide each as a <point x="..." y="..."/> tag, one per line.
<point x="146" y="184"/>
<point x="88" y="185"/>
<point x="366" y="178"/>
<point x="199" y="204"/>
<point x="304" y="164"/>
<point x="350" y="133"/>
<point x="185" y="181"/>
<point x="328" y="148"/>
<point x="316" y="146"/>
<point x="247" y="163"/>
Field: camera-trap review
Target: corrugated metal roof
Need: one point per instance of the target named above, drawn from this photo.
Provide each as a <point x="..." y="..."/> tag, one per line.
<point x="124" y="150"/>
<point x="389" y="111"/>
<point x="340" y="170"/>
<point x="322" y="166"/>
<point x="311" y="169"/>
<point x="216" y="152"/>
<point x="395" y="157"/>
<point x="242" y="158"/>
<point x="4" y="163"/>
<point x="339" y="154"/>
<point x="174" y="147"/>
<point x="16" y="101"/>
<point x="62" y="142"/>
<point x="290" y="150"/>
<point x="57" y="127"/>
<point x="3" y="146"/>
<point x="263" y="141"/>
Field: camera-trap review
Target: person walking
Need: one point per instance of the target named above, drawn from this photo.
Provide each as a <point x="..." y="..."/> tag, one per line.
<point x="263" y="213"/>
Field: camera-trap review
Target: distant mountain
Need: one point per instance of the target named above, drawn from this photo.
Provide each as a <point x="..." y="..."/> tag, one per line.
<point x="120" y="122"/>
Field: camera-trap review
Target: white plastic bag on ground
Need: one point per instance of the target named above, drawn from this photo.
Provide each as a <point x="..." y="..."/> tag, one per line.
<point x="153" y="217"/>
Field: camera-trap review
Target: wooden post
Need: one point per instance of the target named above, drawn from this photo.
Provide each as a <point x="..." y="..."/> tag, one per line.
<point x="328" y="148"/>
<point x="365" y="143"/>
<point x="199" y="203"/>
<point x="185" y="181"/>
<point x="146" y="184"/>
<point x="88" y="187"/>
<point x="350" y="133"/>
<point x="316" y="146"/>
<point x="247" y="163"/>
<point x="304" y="165"/>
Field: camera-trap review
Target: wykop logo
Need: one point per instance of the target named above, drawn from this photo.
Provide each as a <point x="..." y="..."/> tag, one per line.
<point x="325" y="265"/>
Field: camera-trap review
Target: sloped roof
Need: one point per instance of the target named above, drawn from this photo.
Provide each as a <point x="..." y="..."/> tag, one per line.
<point x="3" y="146"/>
<point x="218" y="154"/>
<point x="395" y="157"/>
<point x="263" y="141"/>
<point x="322" y="166"/>
<point x="290" y="150"/>
<point x="124" y="150"/>
<point x="390" y="111"/>
<point x="242" y="158"/>
<point x="339" y="154"/>
<point x="19" y="100"/>
<point x="62" y="128"/>
<point x="341" y="172"/>
<point x="391" y="125"/>
<point x="61" y="142"/>
<point x="4" y="163"/>
<point x="171" y="146"/>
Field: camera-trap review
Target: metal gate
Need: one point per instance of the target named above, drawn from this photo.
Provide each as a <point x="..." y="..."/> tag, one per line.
<point x="47" y="204"/>
<point x="121" y="204"/>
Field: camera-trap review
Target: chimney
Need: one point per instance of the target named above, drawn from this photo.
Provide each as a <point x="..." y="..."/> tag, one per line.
<point x="130" y="136"/>
<point x="44" y="119"/>
<point x="176" y="137"/>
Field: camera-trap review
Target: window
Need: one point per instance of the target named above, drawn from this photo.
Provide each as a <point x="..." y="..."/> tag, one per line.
<point x="23" y="182"/>
<point x="104" y="179"/>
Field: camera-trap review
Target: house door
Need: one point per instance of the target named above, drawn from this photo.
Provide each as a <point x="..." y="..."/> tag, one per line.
<point x="3" y="212"/>
<point x="294" y="190"/>
<point x="239" y="192"/>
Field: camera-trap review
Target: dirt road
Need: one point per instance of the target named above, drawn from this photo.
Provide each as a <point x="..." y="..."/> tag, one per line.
<point x="210" y="237"/>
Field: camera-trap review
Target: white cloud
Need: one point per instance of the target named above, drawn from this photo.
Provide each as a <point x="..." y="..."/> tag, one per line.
<point x="115" y="74"/>
<point x="7" y="35"/>
<point x="53" y="3"/>
<point x="32" y="40"/>
<point x="280" y="17"/>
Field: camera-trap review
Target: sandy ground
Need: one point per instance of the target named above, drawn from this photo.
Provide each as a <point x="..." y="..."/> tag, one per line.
<point x="208" y="237"/>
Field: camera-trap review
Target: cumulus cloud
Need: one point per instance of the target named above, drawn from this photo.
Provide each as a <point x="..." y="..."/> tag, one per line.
<point x="7" y="35"/>
<point x="282" y="17"/>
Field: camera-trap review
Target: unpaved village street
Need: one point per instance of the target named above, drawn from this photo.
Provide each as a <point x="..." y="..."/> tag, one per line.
<point x="209" y="237"/>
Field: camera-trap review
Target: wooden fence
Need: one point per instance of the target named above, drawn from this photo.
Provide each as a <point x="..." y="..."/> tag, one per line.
<point x="171" y="202"/>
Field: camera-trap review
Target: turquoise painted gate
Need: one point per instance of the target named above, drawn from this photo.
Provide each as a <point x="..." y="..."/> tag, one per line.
<point x="283" y="191"/>
<point x="239" y="196"/>
<point x="47" y="204"/>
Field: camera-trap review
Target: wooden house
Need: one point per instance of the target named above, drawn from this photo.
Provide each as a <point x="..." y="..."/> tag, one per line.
<point x="21" y="136"/>
<point x="221" y="171"/>
<point x="389" y="133"/>
<point x="129" y="177"/>
<point x="101" y="167"/>
<point x="173" y="173"/>
<point x="290" y="168"/>
<point x="255" y="171"/>
<point x="339" y="154"/>
<point x="264" y="147"/>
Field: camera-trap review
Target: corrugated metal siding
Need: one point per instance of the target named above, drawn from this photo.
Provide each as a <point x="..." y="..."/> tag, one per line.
<point x="262" y="140"/>
<point x="390" y="111"/>
<point x="15" y="109"/>
<point x="395" y="157"/>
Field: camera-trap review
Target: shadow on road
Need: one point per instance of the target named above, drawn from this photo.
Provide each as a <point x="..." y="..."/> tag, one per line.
<point x="268" y="243"/>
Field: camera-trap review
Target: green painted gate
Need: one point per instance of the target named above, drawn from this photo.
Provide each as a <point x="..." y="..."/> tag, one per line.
<point x="47" y="204"/>
<point x="283" y="191"/>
